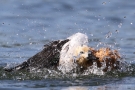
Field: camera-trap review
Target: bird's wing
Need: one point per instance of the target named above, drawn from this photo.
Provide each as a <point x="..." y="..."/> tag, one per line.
<point x="47" y="58"/>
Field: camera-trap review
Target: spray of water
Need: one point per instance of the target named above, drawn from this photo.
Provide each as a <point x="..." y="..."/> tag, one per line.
<point x="94" y="69"/>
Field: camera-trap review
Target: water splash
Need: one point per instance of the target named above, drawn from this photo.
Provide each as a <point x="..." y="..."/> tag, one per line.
<point x="93" y="70"/>
<point x="91" y="34"/>
<point x="104" y="3"/>
<point x="116" y="31"/>
<point x="44" y="73"/>
<point x="108" y="35"/>
<point x="48" y="73"/>
<point x="120" y="25"/>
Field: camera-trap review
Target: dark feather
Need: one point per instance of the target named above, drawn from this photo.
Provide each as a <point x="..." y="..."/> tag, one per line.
<point x="47" y="58"/>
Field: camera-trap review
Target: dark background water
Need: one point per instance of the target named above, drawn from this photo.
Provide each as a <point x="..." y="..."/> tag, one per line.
<point x="26" y="25"/>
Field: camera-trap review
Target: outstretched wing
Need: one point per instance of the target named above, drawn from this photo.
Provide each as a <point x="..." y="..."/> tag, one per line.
<point x="48" y="57"/>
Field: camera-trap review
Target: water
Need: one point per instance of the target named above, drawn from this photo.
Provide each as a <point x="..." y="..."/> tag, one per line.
<point x="25" y="26"/>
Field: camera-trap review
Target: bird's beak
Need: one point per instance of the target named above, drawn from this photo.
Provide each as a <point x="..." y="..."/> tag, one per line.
<point x="92" y="57"/>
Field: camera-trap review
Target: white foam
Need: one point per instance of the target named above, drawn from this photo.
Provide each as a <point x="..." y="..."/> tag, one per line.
<point x="66" y="54"/>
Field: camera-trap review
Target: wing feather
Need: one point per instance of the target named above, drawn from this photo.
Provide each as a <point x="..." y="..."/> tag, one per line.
<point x="48" y="57"/>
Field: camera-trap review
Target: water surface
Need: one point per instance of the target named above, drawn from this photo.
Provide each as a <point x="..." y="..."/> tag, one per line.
<point x="25" y="26"/>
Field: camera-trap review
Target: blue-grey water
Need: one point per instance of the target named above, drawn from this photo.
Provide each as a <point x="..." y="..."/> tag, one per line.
<point x="26" y="25"/>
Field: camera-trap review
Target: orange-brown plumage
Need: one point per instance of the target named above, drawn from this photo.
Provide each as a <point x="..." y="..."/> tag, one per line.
<point x="108" y="57"/>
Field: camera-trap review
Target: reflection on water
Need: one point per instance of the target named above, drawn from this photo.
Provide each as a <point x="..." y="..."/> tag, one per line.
<point x="25" y="26"/>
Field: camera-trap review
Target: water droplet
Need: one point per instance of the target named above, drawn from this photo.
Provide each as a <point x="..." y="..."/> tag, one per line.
<point x="120" y="25"/>
<point x="109" y="35"/>
<point x="4" y="75"/>
<point x="91" y="34"/>
<point x="104" y="3"/>
<point x="30" y="43"/>
<point x="29" y="38"/>
<point x="117" y="31"/>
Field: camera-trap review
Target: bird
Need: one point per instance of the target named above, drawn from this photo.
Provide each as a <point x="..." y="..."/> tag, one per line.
<point x="75" y="54"/>
<point x="70" y="55"/>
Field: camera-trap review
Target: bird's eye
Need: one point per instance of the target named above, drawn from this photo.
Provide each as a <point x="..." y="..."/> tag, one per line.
<point x="81" y="52"/>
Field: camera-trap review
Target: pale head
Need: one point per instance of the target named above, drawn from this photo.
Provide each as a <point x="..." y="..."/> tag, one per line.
<point x="84" y="56"/>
